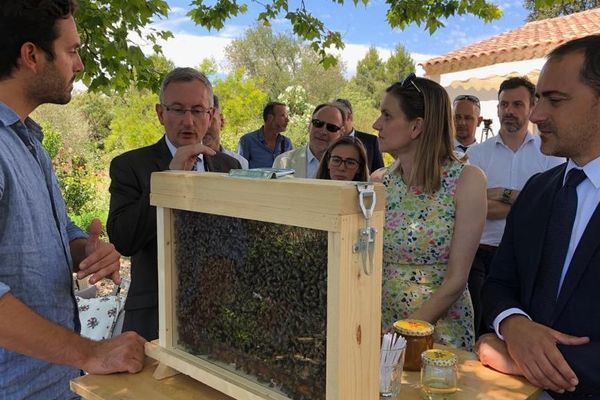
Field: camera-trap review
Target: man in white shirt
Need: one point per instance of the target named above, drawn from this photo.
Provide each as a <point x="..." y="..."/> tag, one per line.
<point x="326" y="126"/>
<point x="212" y="138"/>
<point x="542" y="292"/>
<point x="467" y="117"/>
<point x="508" y="160"/>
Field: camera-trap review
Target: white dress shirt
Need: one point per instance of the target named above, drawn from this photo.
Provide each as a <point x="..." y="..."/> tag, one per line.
<point x="312" y="163"/>
<point x="507" y="169"/>
<point x="198" y="167"/>
<point x="588" y="198"/>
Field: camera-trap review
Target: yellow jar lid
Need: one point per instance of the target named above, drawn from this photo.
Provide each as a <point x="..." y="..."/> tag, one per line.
<point x="413" y="327"/>
<point x="439" y="358"/>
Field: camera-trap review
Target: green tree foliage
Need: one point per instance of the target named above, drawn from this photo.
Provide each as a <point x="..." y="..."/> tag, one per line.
<point x="277" y="61"/>
<point x="370" y="76"/>
<point x="300" y="111"/>
<point x="398" y="65"/>
<point x="97" y="109"/>
<point x="363" y="111"/>
<point x="112" y="60"/>
<point x="208" y="66"/>
<point x="373" y="74"/>
<point x="84" y="191"/>
<point x="134" y="124"/>
<point x="542" y="9"/>
<point x="310" y="28"/>
<point x="242" y="103"/>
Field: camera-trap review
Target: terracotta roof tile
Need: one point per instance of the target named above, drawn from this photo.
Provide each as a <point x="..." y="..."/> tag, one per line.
<point x="532" y="40"/>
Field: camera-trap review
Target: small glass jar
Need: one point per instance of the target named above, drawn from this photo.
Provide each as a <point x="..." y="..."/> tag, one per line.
<point x="419" y="337"/>
<point x="438" y="373"/>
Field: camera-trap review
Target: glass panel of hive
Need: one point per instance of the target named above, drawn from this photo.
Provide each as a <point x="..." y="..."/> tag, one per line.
<point x="252" y="297"/>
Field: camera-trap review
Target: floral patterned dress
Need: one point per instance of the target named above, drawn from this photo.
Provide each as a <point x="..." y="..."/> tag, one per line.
<point x="416" y="247"/>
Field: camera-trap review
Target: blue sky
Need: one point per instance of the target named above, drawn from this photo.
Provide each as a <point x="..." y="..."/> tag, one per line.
<point x="360" y="27"/>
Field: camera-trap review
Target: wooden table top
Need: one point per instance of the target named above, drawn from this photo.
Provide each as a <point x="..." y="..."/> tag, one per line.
<point x="142" y="386"/>
<point x="475" y="382"/>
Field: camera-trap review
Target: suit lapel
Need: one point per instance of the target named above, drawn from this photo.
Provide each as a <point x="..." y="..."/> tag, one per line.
<point x="586" y="248"/>
<point x="209" y="164"/>
<point x="537" y="235"/>
<point x="163" y="156"/>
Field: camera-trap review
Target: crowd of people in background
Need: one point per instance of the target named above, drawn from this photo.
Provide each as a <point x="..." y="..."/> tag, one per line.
<point x="495" y="243"/>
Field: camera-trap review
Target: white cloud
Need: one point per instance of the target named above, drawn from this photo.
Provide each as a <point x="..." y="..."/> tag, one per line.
<point x="187" y="50"/>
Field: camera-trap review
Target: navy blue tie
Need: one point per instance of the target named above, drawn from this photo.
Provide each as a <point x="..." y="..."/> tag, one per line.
<point x="558" y="236"/>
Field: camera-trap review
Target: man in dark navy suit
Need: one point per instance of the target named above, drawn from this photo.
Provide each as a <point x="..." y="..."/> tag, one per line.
<point x="375" y="159"/>
<point x="541" y="296"/>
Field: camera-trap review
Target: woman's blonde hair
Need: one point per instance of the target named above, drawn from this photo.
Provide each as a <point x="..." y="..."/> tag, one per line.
<point x="426" y="99"/>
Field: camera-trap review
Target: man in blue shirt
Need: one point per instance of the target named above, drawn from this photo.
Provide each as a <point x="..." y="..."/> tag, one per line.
<point x="40" y="247"/>
<point x="262" y="146"/>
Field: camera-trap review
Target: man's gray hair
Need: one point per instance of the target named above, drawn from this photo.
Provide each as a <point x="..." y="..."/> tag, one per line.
<point x="184" y="75"/>
<point x="339" y="106"/>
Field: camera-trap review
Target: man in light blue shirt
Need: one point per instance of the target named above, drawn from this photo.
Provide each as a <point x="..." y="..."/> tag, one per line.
<point x="40" y="350"/>
<point x="262" y="146"/>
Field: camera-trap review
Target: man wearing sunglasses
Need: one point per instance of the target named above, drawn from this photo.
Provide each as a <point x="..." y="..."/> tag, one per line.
<point x="467" y="118"/>
<point x="326" y="126"/>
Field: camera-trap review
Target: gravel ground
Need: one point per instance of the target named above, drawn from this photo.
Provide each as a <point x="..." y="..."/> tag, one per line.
<point x="105" y="287"/>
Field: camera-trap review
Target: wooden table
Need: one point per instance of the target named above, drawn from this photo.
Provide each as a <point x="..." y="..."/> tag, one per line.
<point x="475" y="382"/>
<point x="143" y="386"/>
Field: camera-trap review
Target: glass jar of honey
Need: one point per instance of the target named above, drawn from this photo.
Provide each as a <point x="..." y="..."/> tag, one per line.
<point x="438" y="374"/>
<point x="419" y="337"/>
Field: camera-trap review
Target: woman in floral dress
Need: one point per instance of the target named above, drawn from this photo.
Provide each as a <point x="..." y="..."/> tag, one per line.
<point x="436" y="209"/>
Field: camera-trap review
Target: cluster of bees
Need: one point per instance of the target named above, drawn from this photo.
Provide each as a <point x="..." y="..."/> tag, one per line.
<point x="253" y="295"/>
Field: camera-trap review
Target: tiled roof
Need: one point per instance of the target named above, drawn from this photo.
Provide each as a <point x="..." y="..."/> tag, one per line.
<point x="532" y="40"/>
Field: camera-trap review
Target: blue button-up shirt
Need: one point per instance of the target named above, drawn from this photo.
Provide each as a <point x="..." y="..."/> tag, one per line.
<point x="253" y="148"/>
<point x="35" y="260"/>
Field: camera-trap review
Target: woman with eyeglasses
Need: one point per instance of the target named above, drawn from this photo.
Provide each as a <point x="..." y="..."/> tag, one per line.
<point x="344" y="160"/>
<point x="435" y="213"/>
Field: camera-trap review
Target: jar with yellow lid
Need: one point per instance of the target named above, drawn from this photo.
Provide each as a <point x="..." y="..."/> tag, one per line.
<point x="419" y="337"/>
<point x="438" y="374"/>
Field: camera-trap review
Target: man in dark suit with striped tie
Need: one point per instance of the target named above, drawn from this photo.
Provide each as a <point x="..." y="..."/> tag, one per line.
<point x="541" y="296"/>
<point x="374" y="156"/>
<point x="185" y="110"/>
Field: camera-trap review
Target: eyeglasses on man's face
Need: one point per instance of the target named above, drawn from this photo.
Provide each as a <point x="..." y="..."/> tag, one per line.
<point x="197" y="112"/>
<point x="409" y="82"/>
<point x="317" y="123"/>
<point x="350" y="163"/>
<point x="468" y="97"/>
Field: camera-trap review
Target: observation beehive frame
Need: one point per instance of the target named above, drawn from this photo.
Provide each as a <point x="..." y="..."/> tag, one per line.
<point x="353" y="297"/>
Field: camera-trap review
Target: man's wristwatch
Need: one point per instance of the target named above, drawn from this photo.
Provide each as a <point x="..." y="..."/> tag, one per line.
<point x="507" y="196"/>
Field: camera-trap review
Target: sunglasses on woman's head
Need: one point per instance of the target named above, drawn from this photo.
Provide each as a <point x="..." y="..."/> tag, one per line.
<point x="317" y="123"/>
<point x="409" y="82"/>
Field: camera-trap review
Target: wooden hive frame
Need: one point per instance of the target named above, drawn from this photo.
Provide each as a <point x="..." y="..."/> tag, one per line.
<point x="353" y="297"/>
